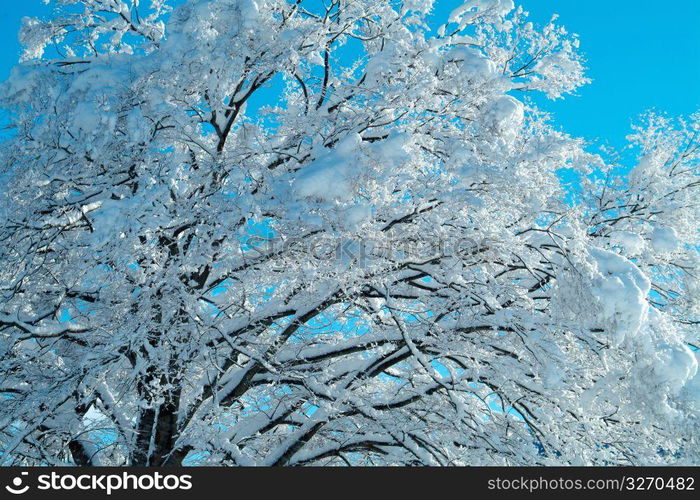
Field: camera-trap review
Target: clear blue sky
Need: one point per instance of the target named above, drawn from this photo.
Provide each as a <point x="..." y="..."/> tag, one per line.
<point x="641" y="54"/>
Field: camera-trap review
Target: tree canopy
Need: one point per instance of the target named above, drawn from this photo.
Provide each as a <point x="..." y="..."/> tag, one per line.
<point x="276" y="232"/>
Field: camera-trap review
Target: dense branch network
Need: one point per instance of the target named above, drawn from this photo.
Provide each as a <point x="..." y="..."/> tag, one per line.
<point x="378" y="266"/>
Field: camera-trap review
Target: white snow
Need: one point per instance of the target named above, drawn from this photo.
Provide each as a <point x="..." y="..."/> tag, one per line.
<point x="35" y="35"/>
<point x="692" y="386"/>
<point x="664" y="239"/>
<point x="107" y="220"/>
<point x="356" y="215"/>
<point x="630" y="243"/>
<point x="472" y="8"/>
<point x="646" y="169"/>
<point x="85" y="117"/>
<point x="504" y="115"/>
<point x="330" y="177"/>
<point x="250" y="14"/>
<point x="391" y="151"/>
<point x="674" y="365"/>
<point x="264" y="260"/>
<point x="620" y="289"/>
<point x="473" y="65"/>
<point x="418" y="5"/>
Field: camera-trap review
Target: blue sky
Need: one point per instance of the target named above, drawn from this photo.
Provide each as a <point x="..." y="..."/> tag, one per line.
<point x="642" y="54"/>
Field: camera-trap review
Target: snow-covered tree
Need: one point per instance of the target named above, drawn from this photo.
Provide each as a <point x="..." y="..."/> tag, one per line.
<point x="291" y="232"/>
